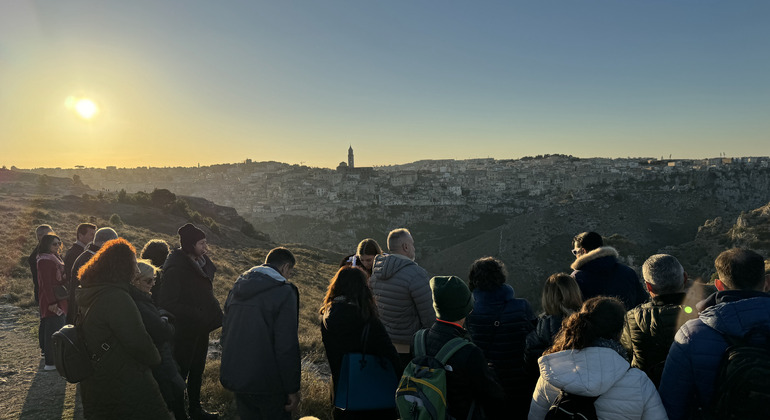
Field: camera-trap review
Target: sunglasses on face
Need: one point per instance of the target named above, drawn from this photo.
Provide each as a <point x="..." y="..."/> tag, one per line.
<point x="575" y="252"/>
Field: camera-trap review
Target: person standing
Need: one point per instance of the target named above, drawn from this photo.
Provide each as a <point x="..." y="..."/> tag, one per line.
<point x="499" y="325"/>
<point x="53" y="306"/>
<point x="260" y="346"/>
<point x="349" y="324"/>
<point x="402" y="292"/>
<point x="187" y="292"/>
<point x="122" y="386"/>
<point x="84" y="235"/>
<point x="599" y="273"/>
<point x="40" y="231"/>
<point x="101" y="236"/>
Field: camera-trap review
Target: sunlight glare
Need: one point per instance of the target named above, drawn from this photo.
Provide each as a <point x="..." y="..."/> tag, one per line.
<point x="86" y="108"/>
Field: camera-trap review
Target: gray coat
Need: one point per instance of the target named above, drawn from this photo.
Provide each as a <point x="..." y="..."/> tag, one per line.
<point x="404" y="300"/>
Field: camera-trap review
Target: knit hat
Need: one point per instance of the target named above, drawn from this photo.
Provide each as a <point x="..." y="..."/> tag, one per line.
<point x="189" y="235"/>
<point x="452" y="300"/>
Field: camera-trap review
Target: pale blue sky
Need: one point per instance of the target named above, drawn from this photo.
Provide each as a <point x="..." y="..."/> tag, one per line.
<point x="187" y="82"/>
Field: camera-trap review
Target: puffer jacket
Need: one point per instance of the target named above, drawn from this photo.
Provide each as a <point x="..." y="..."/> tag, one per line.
<point x="122" y="386"/>
<point x="599" y="273"/>
<point x="499" y="325"/>
<point x="650" y="330"/>
<point x="693" y="362"/>
<point x="624" y="392"/>
<point x="260" y="346"/>
<point x="401" y="289"/>
<point x="187" y="291"/>
<point x="540" y="339"/>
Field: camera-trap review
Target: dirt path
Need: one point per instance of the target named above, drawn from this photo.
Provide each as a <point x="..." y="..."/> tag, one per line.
<point x="28" y="392"/>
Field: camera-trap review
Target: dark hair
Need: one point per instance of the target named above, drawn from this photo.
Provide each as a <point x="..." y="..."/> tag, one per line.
<point x="280" y="256"/>
<point x="44" y="247"/>
<point x="561" y="295"/>
<point x="487" y="274"/>
<point x="368" y="247"/>
<point x="588" y="241"/>
<point x="351" y="282"/>
<point x="741" y="269"/>
<point x="113" y="263"/>
<point x="600" y="317"/>
<point x="156" y="250"/>
<point x="83" y="228"/>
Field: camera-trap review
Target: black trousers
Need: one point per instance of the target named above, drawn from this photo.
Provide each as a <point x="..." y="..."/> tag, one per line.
<point x="190" y="353"/>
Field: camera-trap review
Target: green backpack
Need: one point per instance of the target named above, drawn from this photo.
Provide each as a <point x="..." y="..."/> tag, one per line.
<point x="421" y="393"/>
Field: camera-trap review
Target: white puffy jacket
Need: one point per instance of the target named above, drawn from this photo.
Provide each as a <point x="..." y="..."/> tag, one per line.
<point x="624" y="392"/>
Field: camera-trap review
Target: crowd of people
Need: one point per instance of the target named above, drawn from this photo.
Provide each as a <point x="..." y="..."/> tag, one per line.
<point x="638" y="349"/>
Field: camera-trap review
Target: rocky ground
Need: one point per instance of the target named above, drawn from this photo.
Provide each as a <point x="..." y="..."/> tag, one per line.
<point x="27" y="391"/>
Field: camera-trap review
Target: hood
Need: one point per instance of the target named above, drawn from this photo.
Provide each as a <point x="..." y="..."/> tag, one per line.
<point x="255" y="281"/>
<point x="591" y="371"/>
<point x="735" y="312"/>
<point x="387" y="265"/>
<point x="605" y="251"/>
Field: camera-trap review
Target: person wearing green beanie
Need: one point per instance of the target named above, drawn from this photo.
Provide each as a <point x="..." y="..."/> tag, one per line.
<point x="470" y="382"/>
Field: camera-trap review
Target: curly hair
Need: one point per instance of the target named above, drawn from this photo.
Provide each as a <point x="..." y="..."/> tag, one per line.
<point x="600" y="317"/>
<point x="351" y="282"/>
<point x="115" y="262"/>
<point x="487" y="273"/>
<point x="156" y="250"/>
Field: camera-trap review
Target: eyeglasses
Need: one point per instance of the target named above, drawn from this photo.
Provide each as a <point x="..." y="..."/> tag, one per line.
<point x="575" y="252"/>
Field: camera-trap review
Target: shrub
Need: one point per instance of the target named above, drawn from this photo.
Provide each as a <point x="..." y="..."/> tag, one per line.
<point x="115" y="220"/>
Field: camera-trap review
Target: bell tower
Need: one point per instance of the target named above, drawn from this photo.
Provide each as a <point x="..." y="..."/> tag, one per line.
<point x="350" y="157"/>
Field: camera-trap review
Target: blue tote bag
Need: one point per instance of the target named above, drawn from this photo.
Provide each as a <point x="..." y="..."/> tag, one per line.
<point x="366" y="382"/>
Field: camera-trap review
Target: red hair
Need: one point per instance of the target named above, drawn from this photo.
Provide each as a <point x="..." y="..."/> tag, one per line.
<point x="113" y="263"/>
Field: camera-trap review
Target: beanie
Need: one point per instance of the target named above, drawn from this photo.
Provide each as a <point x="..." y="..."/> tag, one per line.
<point x="452" y="300"/>
<point x="189" y="235"/>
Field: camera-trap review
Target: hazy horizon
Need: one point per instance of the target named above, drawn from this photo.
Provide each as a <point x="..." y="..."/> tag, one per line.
<point x="167" y="84"/>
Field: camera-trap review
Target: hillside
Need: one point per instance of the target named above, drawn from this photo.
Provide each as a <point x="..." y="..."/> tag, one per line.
<point x="22" y="208"/>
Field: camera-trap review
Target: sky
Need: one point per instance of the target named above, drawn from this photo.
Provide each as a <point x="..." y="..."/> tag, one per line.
<point x="182" y="83"/>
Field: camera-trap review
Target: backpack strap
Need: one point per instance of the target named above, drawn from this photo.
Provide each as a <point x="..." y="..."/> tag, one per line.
<point x="450" y="348"/>
<point x="419" y="343"/>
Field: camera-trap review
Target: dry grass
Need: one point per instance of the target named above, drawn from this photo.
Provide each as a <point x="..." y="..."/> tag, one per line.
<point x="232" y="252"/>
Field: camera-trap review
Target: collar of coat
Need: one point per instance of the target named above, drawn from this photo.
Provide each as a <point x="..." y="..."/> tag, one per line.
<point x="597" y="253"/>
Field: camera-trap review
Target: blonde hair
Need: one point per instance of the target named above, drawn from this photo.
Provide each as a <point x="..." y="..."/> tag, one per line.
<point x="561" y="295"/>
<point x="146" y="270"/>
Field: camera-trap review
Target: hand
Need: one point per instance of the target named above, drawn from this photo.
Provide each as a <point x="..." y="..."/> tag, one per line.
<point x="53" y="307"/>
<point x="293" y="402"/>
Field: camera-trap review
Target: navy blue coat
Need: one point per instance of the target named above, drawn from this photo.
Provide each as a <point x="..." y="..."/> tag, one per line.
<point x="499" y="325"/>
<point x="599" y="273"/>
<point x="693" y="361"/>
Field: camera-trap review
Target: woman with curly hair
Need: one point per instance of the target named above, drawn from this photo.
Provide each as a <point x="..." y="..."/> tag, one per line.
<point x="53" y="305"/>
<point x="347" y="310"/>
<point x="587" y="359"/>
<point x="122" y="385"/>
<point x="499" y="325"/>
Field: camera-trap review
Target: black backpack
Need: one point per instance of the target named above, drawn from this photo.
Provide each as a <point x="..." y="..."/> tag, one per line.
<point x="742" y="387"/>
<point x="71" y="356"/>
<point x="572" y="407"/>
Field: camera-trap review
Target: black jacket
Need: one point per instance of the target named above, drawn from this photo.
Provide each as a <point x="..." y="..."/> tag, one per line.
<point x="341" y="330"/>
<point x="32" y="261"/>
<point x="79" y="262"/>
<point x="161" y="331"/>
<point x="260" y="345"/>
<point x="650" y="330"/>
<point x="540" y="339"/>
<point x="470" y="378"/>
<point x="599" y="273"/>
<point x="499" y="325"/>
<point x="187" y="292"/>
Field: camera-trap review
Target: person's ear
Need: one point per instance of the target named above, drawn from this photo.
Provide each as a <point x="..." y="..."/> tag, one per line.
<point x="720" y="285"/>
<point x="649" y="287"/>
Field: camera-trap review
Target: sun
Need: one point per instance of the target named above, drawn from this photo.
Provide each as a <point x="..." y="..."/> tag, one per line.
<point x="85" y="108"/>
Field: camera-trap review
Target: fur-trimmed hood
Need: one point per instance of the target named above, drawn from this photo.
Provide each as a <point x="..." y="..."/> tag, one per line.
<point x="597" y="253"/>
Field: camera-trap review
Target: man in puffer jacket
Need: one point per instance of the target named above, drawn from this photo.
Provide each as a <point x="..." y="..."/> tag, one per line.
<point x="740" y="305"/>
<point x="650" y="327"/>
<point x="402" y="291"/>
